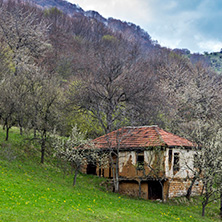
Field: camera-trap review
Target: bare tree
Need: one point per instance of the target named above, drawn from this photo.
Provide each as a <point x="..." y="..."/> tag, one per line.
<point x="110" y="82"/>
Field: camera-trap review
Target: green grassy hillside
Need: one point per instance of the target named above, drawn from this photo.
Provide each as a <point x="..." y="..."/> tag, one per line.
<point x="30" y="191"/>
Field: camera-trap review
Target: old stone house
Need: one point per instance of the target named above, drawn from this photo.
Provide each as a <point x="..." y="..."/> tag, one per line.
<point x="152" y="163"/>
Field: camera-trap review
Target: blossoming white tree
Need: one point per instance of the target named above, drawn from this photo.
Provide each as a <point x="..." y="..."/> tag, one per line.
<point x="79" y="151"/>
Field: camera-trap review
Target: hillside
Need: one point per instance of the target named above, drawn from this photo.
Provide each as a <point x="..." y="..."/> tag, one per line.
<point x="216" y="60"/>
<point x="58" y="71"/>
<point x="33" y="192"/>
<point x="128" y="30"/>
<point x="212" y="60"/>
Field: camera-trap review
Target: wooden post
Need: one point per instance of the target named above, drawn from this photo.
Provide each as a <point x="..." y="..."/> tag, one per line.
<point x="140" y="189"/>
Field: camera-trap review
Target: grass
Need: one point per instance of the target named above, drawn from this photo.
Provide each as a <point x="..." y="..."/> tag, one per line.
<point x="30" y="191"/>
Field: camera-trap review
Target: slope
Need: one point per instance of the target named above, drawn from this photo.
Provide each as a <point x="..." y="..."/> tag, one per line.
<point x="129" y="31"/>
<point x="33" y="192"/>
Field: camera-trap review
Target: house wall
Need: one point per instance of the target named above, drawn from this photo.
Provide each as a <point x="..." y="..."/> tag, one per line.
<point x="179" y="188"/>
<point x="186" y="163"/>
<point x="171" y="189"/>
<point x="128" y="164"/>
<point x="131" y="188"/>
<point x="176" y="183"/>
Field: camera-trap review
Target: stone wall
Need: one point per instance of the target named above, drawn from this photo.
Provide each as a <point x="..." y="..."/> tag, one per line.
<point x="179" y="188"/>
<point x="131" y="188"/>
<point x="175" y="188"/>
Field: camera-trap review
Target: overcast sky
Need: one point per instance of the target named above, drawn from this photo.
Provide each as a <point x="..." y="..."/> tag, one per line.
<point x="192" y="24"/>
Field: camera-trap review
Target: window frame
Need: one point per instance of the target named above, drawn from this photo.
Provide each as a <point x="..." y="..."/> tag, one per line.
<point x="176" y="162"/>
<point x="140" y="163"/>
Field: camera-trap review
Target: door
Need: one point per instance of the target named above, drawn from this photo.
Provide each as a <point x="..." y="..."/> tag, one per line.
<point x="91" y="169"/>
<point x="154" y="190"/>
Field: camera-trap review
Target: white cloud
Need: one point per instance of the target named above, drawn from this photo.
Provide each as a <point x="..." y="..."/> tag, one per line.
<point x="210" y="45"/>
<point x="132" y="11"/>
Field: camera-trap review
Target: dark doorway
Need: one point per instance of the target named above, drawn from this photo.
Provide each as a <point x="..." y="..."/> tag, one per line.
<point x="91" y="169"/>
<point x="154" y="190"/>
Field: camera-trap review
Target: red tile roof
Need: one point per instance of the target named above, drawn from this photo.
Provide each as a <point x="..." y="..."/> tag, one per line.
<point x="140" y="137"/>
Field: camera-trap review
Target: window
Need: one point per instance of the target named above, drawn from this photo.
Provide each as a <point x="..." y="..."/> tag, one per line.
<point x="140" y="160"/>
<point x="176" y="160"/>
<point x="170" y="156"/>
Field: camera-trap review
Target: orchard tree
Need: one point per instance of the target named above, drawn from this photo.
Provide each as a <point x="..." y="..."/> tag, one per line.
<point x="23" y="35"/>
<point x="44" y="114"/>
<point x="210" y="159"/>
<point x="24" y="43"/>
<point x="78" y="151"/>
<point x="193" y="99"/>
<point x="194" y="105"/>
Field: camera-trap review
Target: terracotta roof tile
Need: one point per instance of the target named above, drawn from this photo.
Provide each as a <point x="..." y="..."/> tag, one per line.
<point x="140" y="137"/>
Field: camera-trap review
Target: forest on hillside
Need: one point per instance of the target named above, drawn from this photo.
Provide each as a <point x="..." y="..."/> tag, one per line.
<point x="58" y="71"/>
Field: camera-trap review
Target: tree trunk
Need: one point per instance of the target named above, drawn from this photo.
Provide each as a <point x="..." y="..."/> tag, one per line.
<point x="72" y="168"/>
<point x="139" y="189"/>
<point x="204" y="204"/>
<point x="116" y="183"/>
<point x="43" y="146"/>
<point x="42" y="151"/>
<point x="34" y="132"/>
<point x="21" y="131"/>
<point x="117" y="174"/>
<point x="189" y="191"/>
<point x="75" y="176"/>
<point x="161" y="184"/>
<point x="116" y="186"/>
<point x="113" y="171"/>
<point x="7" y="133"/>
<point x="221" y="204"/>
<point x="20" y="127"/>
<point x="203" y="209"/>
<point x="168" y="190"/>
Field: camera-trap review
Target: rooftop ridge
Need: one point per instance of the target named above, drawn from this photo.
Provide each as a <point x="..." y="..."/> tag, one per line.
<point x="133" y="127"/>
<point x="160" y="136"/>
